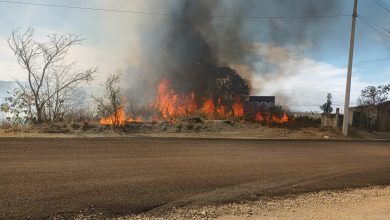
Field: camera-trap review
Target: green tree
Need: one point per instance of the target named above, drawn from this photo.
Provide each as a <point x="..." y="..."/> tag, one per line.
<point x="327" y="106"/>
<point x="374" y="95"/>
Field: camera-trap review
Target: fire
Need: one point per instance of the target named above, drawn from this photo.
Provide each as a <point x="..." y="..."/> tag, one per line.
<point x="222" y="111"/>
<point x="170" y="105"/>
<point x="238" y="109"/>
<point x="208" y="108"/>
<point x="138" y="119"/>
<point x="259" y="117"/>
<point x="281" y="120"/>
<point x="119" y="118"/>
<point x="262" y="117"/>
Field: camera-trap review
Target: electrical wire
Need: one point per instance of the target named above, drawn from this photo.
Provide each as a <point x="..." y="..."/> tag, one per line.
<point x="370" y="61"/>
<point x="376" y="25"/>
<point x="383" y="5"/>
<point x="166" y="14"/>
<point x="383" y="31"/>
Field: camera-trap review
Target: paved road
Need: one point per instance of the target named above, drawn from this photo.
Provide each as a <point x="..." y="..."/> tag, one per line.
<point x="42" y="177"/>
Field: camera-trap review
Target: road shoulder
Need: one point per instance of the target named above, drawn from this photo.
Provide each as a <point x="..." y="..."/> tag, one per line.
<point x="367" y="203"/>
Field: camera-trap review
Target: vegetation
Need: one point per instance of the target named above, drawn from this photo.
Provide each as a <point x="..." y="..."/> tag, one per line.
<point x="50" y="80"/>
<point x="229" y="85"/>
<point x="368" y="102"/>
<point x="19" y="105"/>
<point x="374" y="95"/>
<point x="110" y="104"/>
<point x="327" y="107"/>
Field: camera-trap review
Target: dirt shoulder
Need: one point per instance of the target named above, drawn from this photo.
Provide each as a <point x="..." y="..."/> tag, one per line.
<point x="253" y="133"/>
<point x="240" y="133"/>
<point x="187" y="129"/>
<point x="368" y="203"/>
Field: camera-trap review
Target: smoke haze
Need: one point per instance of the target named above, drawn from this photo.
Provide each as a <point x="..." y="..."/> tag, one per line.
<point x="204" y="35"/>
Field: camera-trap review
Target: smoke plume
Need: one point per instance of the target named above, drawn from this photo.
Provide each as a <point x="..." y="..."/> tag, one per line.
<point x="204" y="35"/>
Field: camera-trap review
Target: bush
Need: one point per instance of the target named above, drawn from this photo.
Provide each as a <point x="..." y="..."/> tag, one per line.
<point x="56" y="128"/>
<point x="75" y="126"/>
<point x="87" y="126"/>
<point x="303" y="122"/>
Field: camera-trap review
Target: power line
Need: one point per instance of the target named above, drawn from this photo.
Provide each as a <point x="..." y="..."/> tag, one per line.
<point x="375" y="28"/>
<point x="86" y="8"/>
<point x="376" y="25"/>
<point x="383" y="5"/>
<point x="383" y="31"/>
<point x="282" y="17"/>
<point x="165" y="14"/>
<point x="373" y="60"/>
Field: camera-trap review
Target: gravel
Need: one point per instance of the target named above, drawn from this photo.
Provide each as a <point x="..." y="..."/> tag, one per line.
<point x="320" y="205"/>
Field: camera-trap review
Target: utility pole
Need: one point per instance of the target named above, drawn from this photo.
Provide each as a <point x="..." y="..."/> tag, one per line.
<point x="349" y="77"/>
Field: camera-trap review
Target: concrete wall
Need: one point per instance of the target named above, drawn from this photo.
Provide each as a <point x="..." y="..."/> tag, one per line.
<point x="384" y="117"/>
<point x="332" y="120"/>
<point x="379" y="114"/>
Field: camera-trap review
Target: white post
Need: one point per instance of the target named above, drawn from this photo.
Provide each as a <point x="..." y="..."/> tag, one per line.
<point x="349" y="77"/>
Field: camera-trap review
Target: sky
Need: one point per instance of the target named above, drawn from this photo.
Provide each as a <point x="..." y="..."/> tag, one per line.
<point x="306" y="68"/>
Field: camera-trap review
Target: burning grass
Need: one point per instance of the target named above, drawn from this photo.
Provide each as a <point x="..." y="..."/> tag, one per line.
<point x="171" y="106"/>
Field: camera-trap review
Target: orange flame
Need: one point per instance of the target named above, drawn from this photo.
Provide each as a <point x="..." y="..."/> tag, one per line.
<point x="208" y="108"/>
<point x="222" y="111"/>
<point x="238" y="109"/>
<point x="280" y="120"/>
<point x="118" y="118"/>
<point x="170" y="104"/>
<point x="259" y="117"/>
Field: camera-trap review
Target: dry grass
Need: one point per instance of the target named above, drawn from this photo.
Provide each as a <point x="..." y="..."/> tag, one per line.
<point x="208" y="129"/>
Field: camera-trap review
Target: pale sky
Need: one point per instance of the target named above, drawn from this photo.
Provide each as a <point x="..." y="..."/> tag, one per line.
<point x="314" y="68"/>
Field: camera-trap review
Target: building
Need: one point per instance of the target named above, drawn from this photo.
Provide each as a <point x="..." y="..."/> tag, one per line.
<point x="371" y="116"/>
<point x="255" y="104"/>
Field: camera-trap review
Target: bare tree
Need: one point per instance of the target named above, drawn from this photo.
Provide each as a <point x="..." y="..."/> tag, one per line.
<point x="368" y="103"/>
<point x="110" y="105"/>
<point x="50" y="80"/>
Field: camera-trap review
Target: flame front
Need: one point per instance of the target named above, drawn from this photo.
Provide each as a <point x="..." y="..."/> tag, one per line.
<point x="117" y="118"/>
<point x="238" y="109"/>
<point x="280" y="120"/>
<point x="170" y="105"/>
<point x="262" y="117"/>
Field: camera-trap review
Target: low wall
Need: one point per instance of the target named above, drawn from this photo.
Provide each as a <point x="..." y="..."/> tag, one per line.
<point x="332" y="120"/>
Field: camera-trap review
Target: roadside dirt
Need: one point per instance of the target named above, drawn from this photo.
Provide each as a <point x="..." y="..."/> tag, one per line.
<point x="208" y="129"/>
<point x="250" y="132"/>
<point x="368" y="203"/>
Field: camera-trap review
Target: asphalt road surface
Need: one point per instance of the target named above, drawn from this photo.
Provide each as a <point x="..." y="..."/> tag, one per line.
<point x="43" y="177"/>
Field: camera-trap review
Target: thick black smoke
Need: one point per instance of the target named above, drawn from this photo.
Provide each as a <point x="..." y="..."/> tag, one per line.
<point x="196" y="46"/>
<point x="188" y="49"/>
